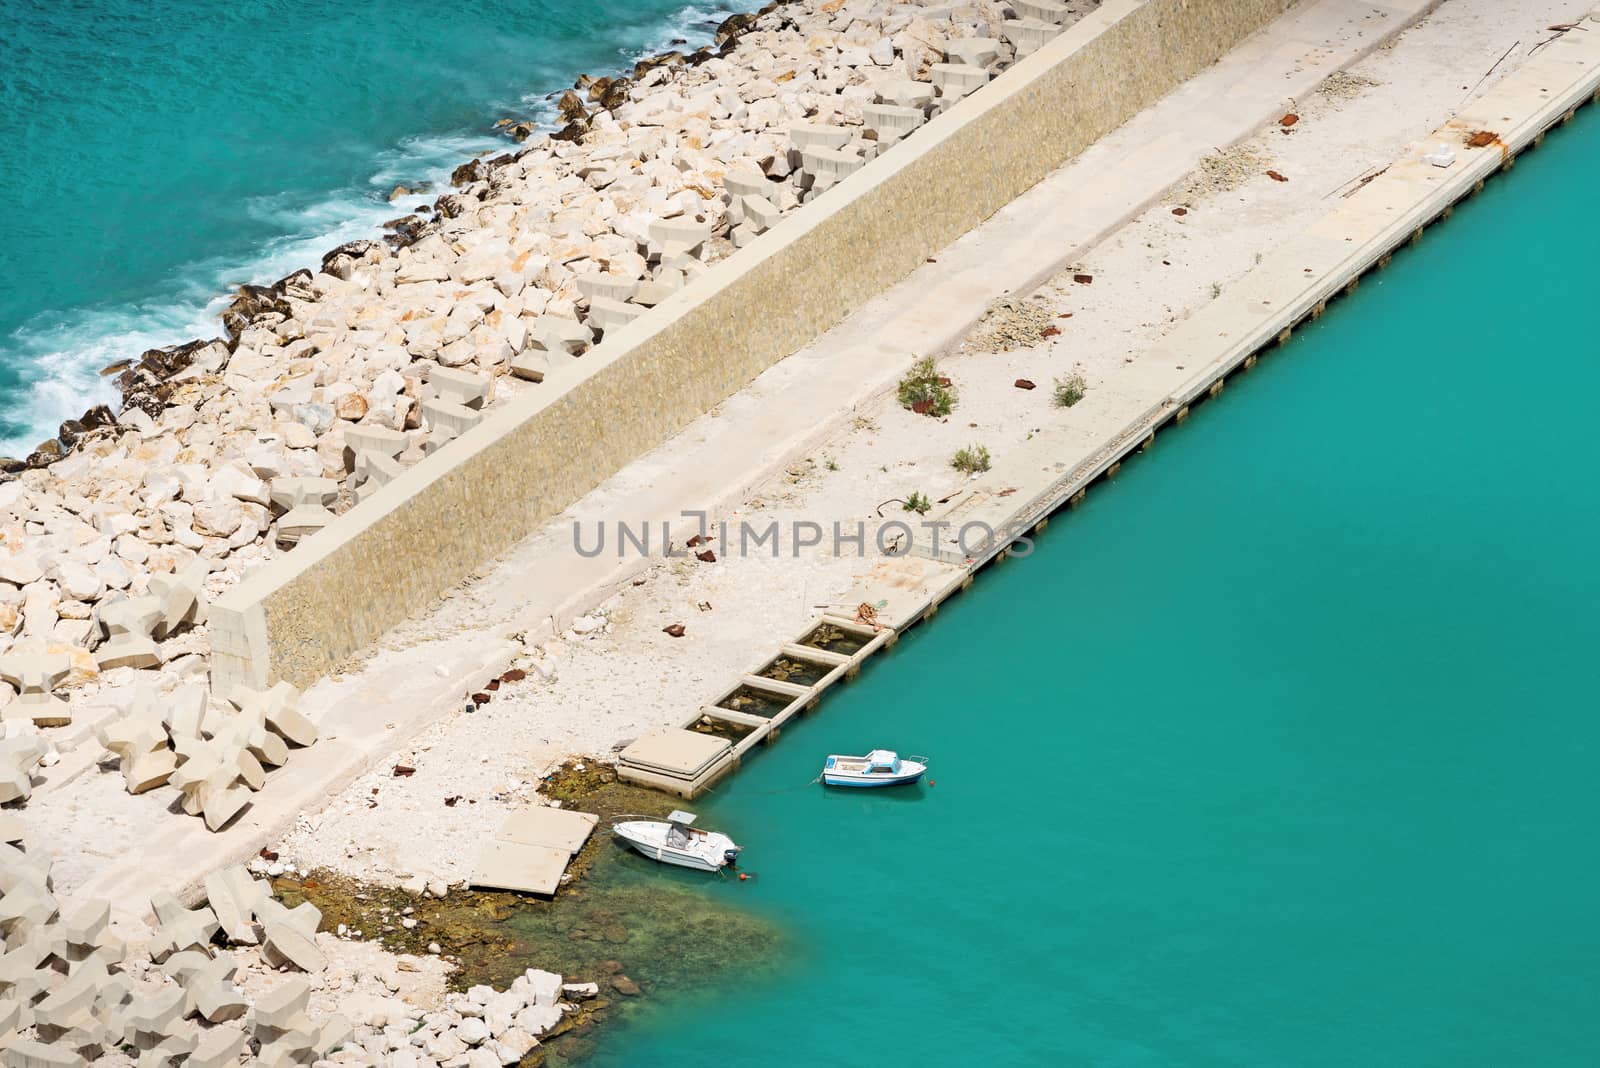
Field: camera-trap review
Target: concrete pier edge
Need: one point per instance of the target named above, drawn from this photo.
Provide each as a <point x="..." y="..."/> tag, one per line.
<point x="298" y="617"/>
<point x="1390" y="212"/>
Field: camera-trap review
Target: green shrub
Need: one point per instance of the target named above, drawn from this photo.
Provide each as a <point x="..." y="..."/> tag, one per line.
<point x="1070" y="390"/>
<point x="971" y="460"/>
<point x="925" y="391"/>
<point x="918" y="502"/>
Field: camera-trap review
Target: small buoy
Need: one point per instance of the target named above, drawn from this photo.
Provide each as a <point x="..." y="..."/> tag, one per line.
<point x="931" y="782"/>
<point x="743" y="877"/>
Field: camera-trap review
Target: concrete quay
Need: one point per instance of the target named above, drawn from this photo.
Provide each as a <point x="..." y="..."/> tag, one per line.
<point x="1292" y="284"/>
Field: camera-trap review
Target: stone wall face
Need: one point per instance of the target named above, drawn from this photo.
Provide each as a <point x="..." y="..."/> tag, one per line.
<point x="388" y="558"/>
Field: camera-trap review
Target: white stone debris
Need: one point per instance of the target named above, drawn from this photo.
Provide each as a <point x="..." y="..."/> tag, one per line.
<point x="70" y="992"/>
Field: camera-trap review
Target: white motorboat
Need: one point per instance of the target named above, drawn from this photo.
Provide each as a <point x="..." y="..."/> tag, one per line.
<point x="881" y="767"/>
<point x="678" y="842"/>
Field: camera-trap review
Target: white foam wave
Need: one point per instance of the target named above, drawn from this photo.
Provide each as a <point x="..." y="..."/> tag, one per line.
<point x="57" y="358"/>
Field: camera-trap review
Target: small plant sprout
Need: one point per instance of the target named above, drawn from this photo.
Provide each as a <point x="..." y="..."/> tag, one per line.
<point x="1070" y="390"/>
<point x="925" y="391"/>
<point x="918" y="502"/>
<point x="971" y="460"/>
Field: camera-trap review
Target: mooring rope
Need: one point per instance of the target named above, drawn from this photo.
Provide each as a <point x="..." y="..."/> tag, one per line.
<point x="785" y="789"/>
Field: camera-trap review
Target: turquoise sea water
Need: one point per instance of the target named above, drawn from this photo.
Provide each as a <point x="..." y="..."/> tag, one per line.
<point x="154" y="152"/>
<point x="1280" y="751"/>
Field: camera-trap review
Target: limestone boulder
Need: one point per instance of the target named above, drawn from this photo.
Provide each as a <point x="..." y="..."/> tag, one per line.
<point x="79" y="581"/>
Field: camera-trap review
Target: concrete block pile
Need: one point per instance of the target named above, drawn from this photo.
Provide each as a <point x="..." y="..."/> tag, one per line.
<point x="215" y="757"/>
<point x="71" y="990"/>
<point x="332" y="381"/>
<point x="118" y="630"/>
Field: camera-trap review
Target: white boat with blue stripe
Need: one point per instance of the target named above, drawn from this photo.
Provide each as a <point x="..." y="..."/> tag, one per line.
<point x="881" y="767"/>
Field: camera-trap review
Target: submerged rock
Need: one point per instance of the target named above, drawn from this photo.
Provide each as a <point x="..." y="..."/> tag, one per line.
<point x="570" y="108"/>
<point x="474" y="170"/>
<point x="46" y="453"/>
<point x="252" y="303"/>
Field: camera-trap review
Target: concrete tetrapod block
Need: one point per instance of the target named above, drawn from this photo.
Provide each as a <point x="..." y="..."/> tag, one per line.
<point x="280" y="1009"/>
<point x="289" y="936"/>
<point x="70" y="1006"/>
<point x="374" y="471"/>
<point x="453" y="419"/>
<point x="957" y="79"/>
<point x="460" y="387"/>
<point x="250" y="733"/>
<point x="130" y="626"/>
<point x="209" y="990"/>
<point x="378" y="439"/>
<point x="532" y="366"/>
<point x="89" y="936"/>
<point x="830" y="164"/>
<point x="24" y="974"/>
<point x="210" y="783"/>
<point x="28" y="907"/>
<point x="19" y="756"/>
<point x="19" y="868"/>
<point x="555" y="333"/>
<point x="139" y="739"/>
<point x="173" y="1049"/>
<point x="907" y="94"/>
<point x="149" y="1019"/>
<point x="609" y="286"/>
<point x="890" y="121"/>
<point x="36" y="673"/>
<point x="219" y="1047"/>
<point x="179" y="928"/>
<point x="226" y="752"/>
<point x="973" y="51"/>
<point x="762" y="213"/>
<point x="287" y="1035"/>
<point x="609" y="314"/>
<point x="1029" y="35"/>
<point x="279" y="708"/>
<point x="182" y="597"/>
<point x="185" y="713"/>
<point x="1043" y="10"/>
<point x="665" y="282"/>
<point x="745" y="183"/>
<point x="804" y="135"/>
<point x="28" y="1053"/>
<point x="304" y="503"/>
<point x="235" y="898"/>
<point x="680" y="235"/>
<point x="12" y="829"/>
<point x="12" y="1019"/>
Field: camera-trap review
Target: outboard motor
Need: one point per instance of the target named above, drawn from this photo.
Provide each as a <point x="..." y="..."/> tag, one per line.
<point x="730" y="857"/>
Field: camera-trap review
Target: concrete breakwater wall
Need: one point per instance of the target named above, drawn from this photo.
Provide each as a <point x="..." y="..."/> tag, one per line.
<point x="299" y="616"/>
